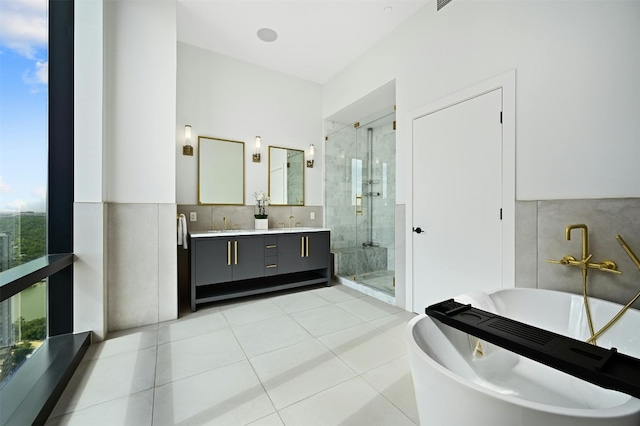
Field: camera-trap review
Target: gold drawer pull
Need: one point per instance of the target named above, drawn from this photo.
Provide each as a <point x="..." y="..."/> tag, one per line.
<point x="228" y="252"/>
<point x="271" y="266"/>
<point x="272" y="246"/>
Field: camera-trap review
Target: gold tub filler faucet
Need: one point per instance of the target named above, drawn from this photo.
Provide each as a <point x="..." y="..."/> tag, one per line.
<point x="604" y="266"/>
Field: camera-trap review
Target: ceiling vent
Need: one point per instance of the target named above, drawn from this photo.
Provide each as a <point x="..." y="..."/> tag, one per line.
<point x="443" y="3"/>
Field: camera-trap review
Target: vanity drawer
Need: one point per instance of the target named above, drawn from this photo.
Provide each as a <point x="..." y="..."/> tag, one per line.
<point x="270" y="266"/>
<point x="271" y="246"/>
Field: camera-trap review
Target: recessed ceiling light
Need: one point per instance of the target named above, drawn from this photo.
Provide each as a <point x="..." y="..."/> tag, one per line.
<point x="267" y="34"/>
<point x="387" y="10"/>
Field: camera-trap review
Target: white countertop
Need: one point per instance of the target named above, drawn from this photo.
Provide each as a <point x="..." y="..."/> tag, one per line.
<point x="236" y="232"/>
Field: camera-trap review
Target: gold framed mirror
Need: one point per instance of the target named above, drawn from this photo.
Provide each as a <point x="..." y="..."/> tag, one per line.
<point x="220" y="171"/>
<point x="286" y="176"/>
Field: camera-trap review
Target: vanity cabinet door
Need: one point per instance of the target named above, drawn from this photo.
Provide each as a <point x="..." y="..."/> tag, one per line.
<point x="303" y="252"/>
<point x="211" y="263"/>
<point x="247" y="257"/>
<point x="290" y="253"/>
<point x="317" y="250"/>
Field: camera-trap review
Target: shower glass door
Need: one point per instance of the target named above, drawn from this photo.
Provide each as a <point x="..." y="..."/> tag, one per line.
<point x="360" y="201"/>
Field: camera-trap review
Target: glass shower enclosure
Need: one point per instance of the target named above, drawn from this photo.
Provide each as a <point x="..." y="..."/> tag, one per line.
<point x="360" y="197"/>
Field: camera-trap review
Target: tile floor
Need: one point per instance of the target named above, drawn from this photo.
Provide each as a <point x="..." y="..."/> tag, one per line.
<point x="322" y="356"/>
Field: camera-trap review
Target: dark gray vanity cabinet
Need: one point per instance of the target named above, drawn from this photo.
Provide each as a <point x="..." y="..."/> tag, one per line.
<point x="303" y="251"/>
<point x="210" y="261"/>
<point x="220" y="260"/>
<point x="227" y="266"/>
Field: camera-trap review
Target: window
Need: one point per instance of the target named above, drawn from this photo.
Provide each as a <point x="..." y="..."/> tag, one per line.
<point x="24" y="45"/>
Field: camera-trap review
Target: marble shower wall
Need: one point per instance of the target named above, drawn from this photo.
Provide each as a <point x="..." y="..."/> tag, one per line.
<point x="384" y="170"/>
<point x="540" y="235"/>
<point x="349" y="230"/>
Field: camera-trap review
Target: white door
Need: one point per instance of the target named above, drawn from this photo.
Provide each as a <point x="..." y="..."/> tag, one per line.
<point x="457" y="200"/>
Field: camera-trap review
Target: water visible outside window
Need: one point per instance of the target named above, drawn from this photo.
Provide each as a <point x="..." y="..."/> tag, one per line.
<point x="23" y="172"/>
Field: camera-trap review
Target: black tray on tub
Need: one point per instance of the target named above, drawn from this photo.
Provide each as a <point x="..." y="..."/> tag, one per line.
<point x="604" y="367"/>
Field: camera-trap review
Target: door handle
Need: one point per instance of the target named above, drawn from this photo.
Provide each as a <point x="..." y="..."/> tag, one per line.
<point x="418" y="230"/>
<point x="235" y="249"/>
<point x="358" y="206"/>
<point x="229" y="253"/>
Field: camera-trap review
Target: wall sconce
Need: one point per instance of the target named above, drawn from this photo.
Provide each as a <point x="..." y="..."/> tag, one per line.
<point x="312" y="151"/>
<point x="256" y="154"/>
<point x="187" y="149"/>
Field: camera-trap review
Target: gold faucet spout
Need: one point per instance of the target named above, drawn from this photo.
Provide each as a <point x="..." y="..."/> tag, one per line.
<point x="585" y="237"/>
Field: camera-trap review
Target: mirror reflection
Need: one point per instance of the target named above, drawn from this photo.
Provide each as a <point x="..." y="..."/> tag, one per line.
<point x="286" y="176"/>
<point x="220" y="171"/>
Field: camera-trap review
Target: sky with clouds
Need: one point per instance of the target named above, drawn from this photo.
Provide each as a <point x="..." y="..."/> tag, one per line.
<point x="23" y="105"/>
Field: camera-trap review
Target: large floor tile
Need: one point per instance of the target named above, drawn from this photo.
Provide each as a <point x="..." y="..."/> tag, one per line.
<point x="325" y="320"/>
<point x="251" y="311"/>
<point x="270" y="420"/>
<point x="192" y="325"/>
<point x="394" y="381"/>
<point x="230" y="395"/>
<point x="186" y="357"/>
<point x="367" y="308"/>
<point x="131" y="410"/>
<point x="395" y="324"/>
<point x="106" y="379"/>
<point x="300" y="301"/>
<point x="120" y="342"/>
<point x="353" y="402"/>
<point x="337" y="293"/>
<point x="294" y="373"/>
<point x="269" y="335"/>
<point x="364" y="347"/>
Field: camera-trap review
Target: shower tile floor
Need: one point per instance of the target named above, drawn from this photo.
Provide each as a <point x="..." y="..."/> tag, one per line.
<point x="322" y="356"/>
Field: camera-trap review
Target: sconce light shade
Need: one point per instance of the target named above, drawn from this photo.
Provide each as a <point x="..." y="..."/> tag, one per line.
<point x="312" y="152"/>
<point x="256" y="154"/>
<point x="187" y="149"/>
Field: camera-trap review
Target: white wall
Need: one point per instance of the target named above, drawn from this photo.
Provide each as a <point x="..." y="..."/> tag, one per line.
<point x="125" y="274"/>
<point x="230" y="99"/>
<point x="578" y="85"/>
<point x="89" y="217"/>
<point x="141" y="101"/>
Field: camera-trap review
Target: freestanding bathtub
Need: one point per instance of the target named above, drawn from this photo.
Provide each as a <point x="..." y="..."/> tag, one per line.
<point x="455" y="387"/>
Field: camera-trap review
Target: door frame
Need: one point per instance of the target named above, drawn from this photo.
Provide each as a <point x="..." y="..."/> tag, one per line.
<point x="507" y="82"/>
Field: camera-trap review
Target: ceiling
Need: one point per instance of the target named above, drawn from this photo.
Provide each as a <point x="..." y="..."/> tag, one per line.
<point x="316" y="38"/>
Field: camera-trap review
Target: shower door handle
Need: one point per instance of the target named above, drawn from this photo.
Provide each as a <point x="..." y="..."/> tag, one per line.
<point x="418" y="230"/>
<point x="358" y="209"/>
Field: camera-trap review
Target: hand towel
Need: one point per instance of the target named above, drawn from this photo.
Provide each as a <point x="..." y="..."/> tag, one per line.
<point x="182" y="231"/>
<point x="478" y="300"/>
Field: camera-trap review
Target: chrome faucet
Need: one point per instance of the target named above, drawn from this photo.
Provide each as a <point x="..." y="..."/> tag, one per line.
<point x="292" y="221"/>
<point x="224" y="220"/>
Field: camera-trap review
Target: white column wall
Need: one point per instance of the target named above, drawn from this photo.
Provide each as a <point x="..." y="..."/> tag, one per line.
<point x="140" y="63"/>
<point x="125" y="274"/>
<point x="90" y="246"/>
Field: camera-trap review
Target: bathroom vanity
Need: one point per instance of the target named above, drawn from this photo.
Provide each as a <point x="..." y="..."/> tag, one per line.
<point x="228" y="264"/>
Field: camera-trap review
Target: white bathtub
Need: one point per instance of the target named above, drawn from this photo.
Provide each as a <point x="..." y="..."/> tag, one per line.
<point x="502" y="388"/>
